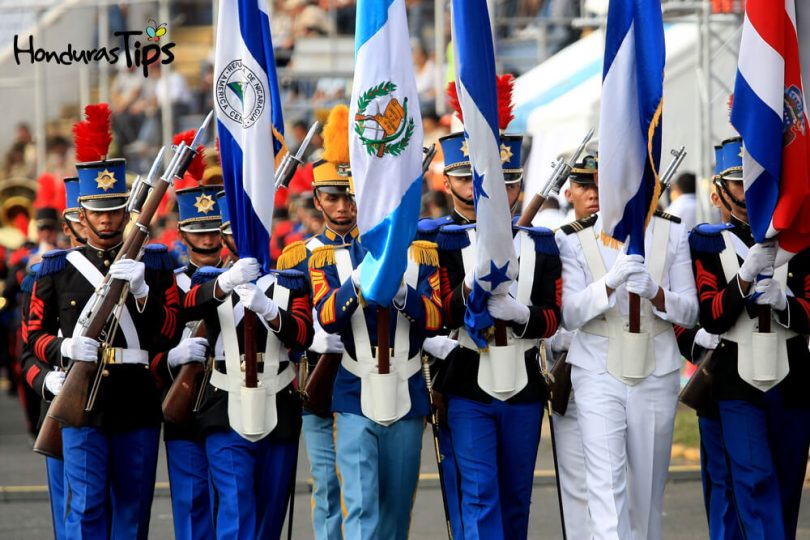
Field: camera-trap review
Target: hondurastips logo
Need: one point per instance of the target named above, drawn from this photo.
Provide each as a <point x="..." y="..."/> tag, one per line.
<point x="132" y="51"/>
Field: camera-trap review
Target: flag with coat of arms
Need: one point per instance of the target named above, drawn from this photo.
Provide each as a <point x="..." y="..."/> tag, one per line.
<point x="496" y="263"/>
<point x="249" y="121"/>
<point x="385" y="145"/>
<point x="770" y="113"/>
<point x="630" y="120"/>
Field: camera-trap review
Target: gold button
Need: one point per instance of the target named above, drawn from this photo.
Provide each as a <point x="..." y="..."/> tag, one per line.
<point x="99" y="254"/>
<point x="106" y="262"/>
<point x="790" y="274"/>
<point x="73" y="302"/>
<point x="343" y="308"/>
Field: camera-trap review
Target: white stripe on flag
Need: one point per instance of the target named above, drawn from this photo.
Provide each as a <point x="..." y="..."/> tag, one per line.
<point x="760" y="65"/>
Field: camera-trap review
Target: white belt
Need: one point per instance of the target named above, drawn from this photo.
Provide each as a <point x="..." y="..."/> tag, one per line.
<point x="273" y="385"/>
<point x="119" y="355"/>
<point x="407" y="368"/>
<point x="601" y="326"/>
<point x="466" y="341"/>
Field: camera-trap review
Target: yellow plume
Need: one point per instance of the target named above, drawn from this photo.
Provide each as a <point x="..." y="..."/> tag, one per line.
<point x="336" y="135"/>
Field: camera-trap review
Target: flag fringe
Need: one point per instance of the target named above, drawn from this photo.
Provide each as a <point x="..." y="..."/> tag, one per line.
<point x="656" y="119"/>
<point x="609" y="241"/>
<point x="424" y="252"/>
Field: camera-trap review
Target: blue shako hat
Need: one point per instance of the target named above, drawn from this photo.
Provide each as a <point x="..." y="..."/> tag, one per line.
<point x="457" y="156"/>
<point x="72" y="207"/>
<point x="731" y="152"/>
<point x="103" y="184"/>
<point x="224" y="212"/>
<point x="199" y="209"/>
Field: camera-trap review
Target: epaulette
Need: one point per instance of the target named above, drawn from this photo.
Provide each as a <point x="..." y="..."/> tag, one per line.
<point x="453" y="237"/>
<point x="425" y="253"/>
<point x="669" y="217"/>
<point x="543" y="238"/>
<point x="579" y="225"/>
<point x="156" y="257"/>
<point x="428" y="228"/>
<point x="205" y="274"/>
<point x="292" y="255"/>
<point x="53" y="261"/>
<point x="180" y="270"/>
<point x="295" y="280"/>
<point x="322" y="256"/>
<point x="27" y="285"/>
<point x="706" y="237"/>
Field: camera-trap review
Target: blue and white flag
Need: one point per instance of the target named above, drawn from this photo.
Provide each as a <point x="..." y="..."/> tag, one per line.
<point x="385" y="146"/>
<point x="248" y="110"/>
<point x="496" y="263"/>
<point x="630" y="119"/>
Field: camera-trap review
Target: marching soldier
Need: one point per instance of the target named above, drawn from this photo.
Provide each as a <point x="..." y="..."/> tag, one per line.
<point x="625" y="402"/>
<point x="764" y="411"/>
<point x="110" y="459"/>
<point x="495" y="435"/>
<point x="72" y="225"/>
<point x="251" y="434"/>
<point x="334" y="198"/>
<point x="377" y="455"/>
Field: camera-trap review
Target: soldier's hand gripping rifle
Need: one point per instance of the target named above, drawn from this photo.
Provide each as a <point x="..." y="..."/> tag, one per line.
<point x="290" y="163"/>
<point x="552" y="186"/>
<point x="185" y="394"/>
<point x="75" y="400"/>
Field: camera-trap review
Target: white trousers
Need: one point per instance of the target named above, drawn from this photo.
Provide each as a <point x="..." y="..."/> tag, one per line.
<point x="571" y="462"/>
<point x="627" y="439"/>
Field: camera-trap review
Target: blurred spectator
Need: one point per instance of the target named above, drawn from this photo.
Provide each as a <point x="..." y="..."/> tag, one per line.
<point x="21" y="158"/>
<point x="435" y="204"/>
<point x="684" y="203"/>
<point x="425" y="71"/>
<point x="308" y="20"/>
<point x="171" y="89"/>
<point x="345" y="15"/>
<point x="58" y="159"/>
<point x="131" y="97"/>
<point x="281" y="28"/>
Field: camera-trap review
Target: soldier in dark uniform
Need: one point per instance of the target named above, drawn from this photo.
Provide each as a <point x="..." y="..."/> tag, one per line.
<point x="334" y="198"/>
<point x="251" y="446"/>
<point x="72" y="225"/>
<point x="764" y="409"/>
<point x="495" y="435"/>
<point x="110" y="459"/>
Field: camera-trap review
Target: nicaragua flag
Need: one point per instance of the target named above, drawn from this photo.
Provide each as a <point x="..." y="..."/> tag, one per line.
<point x="248" y="110"/>
<point x="385" y="145"/>
<point x="496" y="263"/>
<point x="769" y="112"/>
<point x="630" y="119"/>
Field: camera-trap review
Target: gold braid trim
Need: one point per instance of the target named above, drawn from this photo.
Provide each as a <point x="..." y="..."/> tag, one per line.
<point x="292" y="255"/>
<point x="424" y="252"/>
<point x="322" y="256"/>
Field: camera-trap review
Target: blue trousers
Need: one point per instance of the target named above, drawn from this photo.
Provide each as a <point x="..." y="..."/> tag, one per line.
<point x="452" y="488"/>
<point x="319" y="438"/>
<point x="109" y="482"/>
<point x="718" y="495"/>
<point x="252" y="484"/>
<point x="190" y="489"/>
<point x="56" y="490"/>
<point x="495" y="445"/>
<point x="378" y="467"/>
<point x="760" y="442"/>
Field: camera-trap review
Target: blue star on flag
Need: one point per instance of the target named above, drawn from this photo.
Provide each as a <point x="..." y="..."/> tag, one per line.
<point x="478" y="185"/>
<point x="496" y="275"/>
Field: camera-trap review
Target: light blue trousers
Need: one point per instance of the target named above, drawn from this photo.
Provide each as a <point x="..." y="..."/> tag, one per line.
<point x="319" y="438"/>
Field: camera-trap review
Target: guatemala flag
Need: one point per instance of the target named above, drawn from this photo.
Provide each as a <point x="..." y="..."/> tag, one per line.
<point x="248" y="109"/>
<point x="496" y="263"/>
<point x="630" y="119"/>
<point x="769" y="112"/>
<point x="385" y="146"/>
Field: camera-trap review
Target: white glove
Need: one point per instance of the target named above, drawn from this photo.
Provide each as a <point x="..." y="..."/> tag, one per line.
<point x="254" y="299"/>
<point x="54" y="381"/>
<point x="706" y="340"/>
<point x="561" y="341"/>
<point x="356" y="277"/>
<point x="642" y="284"/>
<point x="770" y="294"/>
<point x="323" y="342"/>
<point x="132" y="272"/>
<point x="624" y="266"/>
<point x="402" y="295"/>
<point x="83" y="349"/>
<point x="189" y="350"/>
<point x="506" y="308"/>
<point x="439" y="346"/>
<point x="760" y="257"/>
<point x="243" y="271"/>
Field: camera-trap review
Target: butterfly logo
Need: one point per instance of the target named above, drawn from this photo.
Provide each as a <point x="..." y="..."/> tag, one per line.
<point x="155" y="31"/>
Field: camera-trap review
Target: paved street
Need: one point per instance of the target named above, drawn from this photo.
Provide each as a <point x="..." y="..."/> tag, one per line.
<point x="24" y="510"/>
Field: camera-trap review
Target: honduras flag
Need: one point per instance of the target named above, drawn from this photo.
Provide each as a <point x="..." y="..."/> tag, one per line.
<point x="630" y="119"/>
<point x="385" y="146"/>
<point x="496" y="263"/>
<point x="248" y="109"/>
<point x="770" y="113"/>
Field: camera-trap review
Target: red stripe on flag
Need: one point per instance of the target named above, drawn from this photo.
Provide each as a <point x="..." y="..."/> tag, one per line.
<point x="770" y="20"/>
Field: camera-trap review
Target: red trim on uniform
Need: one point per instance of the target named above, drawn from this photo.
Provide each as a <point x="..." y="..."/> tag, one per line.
<point x="679" y="330"/>
<point x="169" y="323"/>
<point x="41" y="346"/>
<point x="558" y="291"/>
<point x="31" y="375"/>
<point x="191" y="297"/>
<point x="551" y="322"/>
<point x="172" y="296"/>
<point x="717" y="306"/>
<point x="301" y="312"/>
<point x="446" y="294"/>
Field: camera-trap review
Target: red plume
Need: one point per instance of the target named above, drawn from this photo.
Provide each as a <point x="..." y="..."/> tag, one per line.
<point x="50" y="192"/>
<point x="92" y="136"/>
<point x="504" y="84"/>
<point x="197" y="167"/>
<point x="219" y="155"/>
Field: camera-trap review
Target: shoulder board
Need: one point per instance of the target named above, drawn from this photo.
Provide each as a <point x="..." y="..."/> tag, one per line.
<point x="180" y="270"/>
<point x="156" y="257"/>
<point x="706" y="237"/>
<point x="425" y="253"/>
<point x="579" y="225"/>
<point x="543" y="238"/>
<point x="453" y="237"/>
<point x="27" y="285"/>
<point x="53" y="261"/>
<point x="205" y="274"/>
<point x="295" y="280"/>
<point x="292" y="255"/>
<point x="428" y="228"/>
<point x="669" y="217"/>
<point x="322" y="256"/>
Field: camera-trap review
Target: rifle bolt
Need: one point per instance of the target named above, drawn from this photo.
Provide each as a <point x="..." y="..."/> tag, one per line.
<point x="105" y="373"/>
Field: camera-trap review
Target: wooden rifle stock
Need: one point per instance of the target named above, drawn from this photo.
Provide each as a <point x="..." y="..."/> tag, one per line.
<point x="179" y="401"/>
<point x="319" y="386"/>
<point x="49" y="439"/>
<point x="697" y="394"/>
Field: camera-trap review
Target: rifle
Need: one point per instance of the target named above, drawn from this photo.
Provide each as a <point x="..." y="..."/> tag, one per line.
<point x="184" y="394"/>
<point x="434" y="422"/>
<point x="697" y="392"/>
<point x="541" y="355"/>
<point x="290" y="163"/>
<point x="428" y="152"/>
<point x="318" y="385"/>
<point x="78" y="394"/>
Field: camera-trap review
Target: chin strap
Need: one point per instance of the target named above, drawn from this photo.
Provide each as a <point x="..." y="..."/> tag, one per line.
<point x="721" y="183"/>
<point x="103" y="236"/>
<point x="79" y="238"/>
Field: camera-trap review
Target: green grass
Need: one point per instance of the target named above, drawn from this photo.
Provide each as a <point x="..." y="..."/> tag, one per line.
<point x="686" y="428"/>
